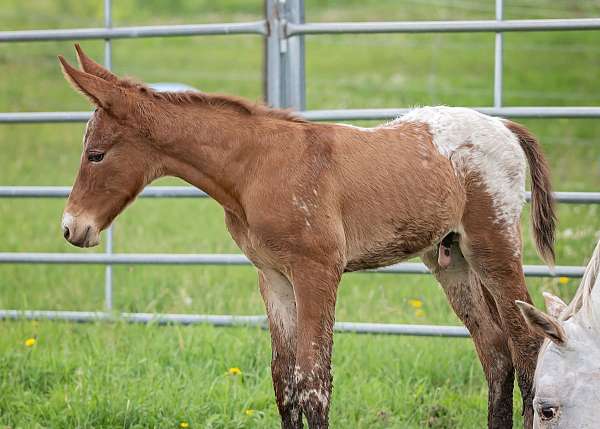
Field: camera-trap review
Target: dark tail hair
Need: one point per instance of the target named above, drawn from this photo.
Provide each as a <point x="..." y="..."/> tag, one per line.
<point x="543" y="215"/>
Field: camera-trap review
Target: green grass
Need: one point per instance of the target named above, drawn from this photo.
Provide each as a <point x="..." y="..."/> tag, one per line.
<point x="146" y="376"/>
<point x="117" y="375"/>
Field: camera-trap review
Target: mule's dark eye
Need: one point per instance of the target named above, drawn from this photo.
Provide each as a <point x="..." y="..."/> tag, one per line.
<point x="95" y="157"/>
<point x="547" y="412"/>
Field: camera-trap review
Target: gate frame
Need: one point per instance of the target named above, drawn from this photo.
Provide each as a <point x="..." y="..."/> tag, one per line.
<point x="283" y="29"/>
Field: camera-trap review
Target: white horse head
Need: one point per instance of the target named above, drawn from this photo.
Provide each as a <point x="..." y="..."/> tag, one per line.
<point x="567" y="378"/>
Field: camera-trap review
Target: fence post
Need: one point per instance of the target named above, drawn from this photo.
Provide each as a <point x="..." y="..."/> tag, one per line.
<point x="108" y="273"/>
<point x="284" y="79"/>
<point x="293" y="67"/>
<point x="272" y="54"/>
<point x="498" y="58"/>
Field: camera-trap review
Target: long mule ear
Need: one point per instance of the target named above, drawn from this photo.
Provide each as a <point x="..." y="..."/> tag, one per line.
<point x="542" y="324"/>
<point x="90" y="66"/>
<point x="99" y="91"/>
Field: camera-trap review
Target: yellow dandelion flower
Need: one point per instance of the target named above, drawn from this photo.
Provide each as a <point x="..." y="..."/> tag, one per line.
<point x="249" y="412"/>
<point x="184" y="425"/>
<point x="419" y="313"/>
<point x="563" y="280"/>
<point x="234" y="371"/>
<point x="415" y="303"/>
<point x="30" y="342"/>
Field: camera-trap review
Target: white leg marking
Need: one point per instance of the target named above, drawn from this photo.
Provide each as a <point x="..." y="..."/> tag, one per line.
<point x="281" y="302"/>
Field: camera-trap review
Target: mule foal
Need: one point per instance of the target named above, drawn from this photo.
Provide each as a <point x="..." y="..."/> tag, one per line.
<point x="306" y="202"/>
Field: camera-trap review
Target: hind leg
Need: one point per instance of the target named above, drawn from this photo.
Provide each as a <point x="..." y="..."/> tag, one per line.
<point x="492" y="246"/>
<point x="503" y="278"/>
<point x="477" y="311"/>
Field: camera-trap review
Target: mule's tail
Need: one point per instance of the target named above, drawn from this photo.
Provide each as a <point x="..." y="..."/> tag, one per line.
<point x="543" y="215"/>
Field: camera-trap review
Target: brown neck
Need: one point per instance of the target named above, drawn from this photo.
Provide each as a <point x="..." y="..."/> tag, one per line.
<point x="216" y="149"/>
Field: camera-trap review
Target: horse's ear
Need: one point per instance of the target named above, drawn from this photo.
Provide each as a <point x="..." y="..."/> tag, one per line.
<point x="542" y="324"/>
<point x="554" y="305"/>
<point x="90" y="66"/>
<point x="102" y="93"/>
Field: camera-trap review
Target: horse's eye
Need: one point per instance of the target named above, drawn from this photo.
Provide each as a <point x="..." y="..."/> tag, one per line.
<point x="95" y="157"/>
<point x="547" y="412"/>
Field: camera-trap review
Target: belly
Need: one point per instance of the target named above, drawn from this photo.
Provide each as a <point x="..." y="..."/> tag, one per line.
<point x="400" y="246"/>
<point x="381" y="257"/>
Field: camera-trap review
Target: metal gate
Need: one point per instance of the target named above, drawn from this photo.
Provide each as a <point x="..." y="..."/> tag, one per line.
<point x="283" y="29"/>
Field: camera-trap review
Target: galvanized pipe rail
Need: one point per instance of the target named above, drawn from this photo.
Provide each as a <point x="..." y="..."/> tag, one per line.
<point x="482" y="26"/>
<point x="227" y="320"/>
<point x="229" y="259"/>
<point x="335" y="114"/>
<point x="509" y="112"/>
<point x="191" y="192"/>
<point x="257" y="27"/>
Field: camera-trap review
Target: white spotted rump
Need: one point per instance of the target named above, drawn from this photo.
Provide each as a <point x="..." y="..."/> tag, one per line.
<point x="479" y="143"/>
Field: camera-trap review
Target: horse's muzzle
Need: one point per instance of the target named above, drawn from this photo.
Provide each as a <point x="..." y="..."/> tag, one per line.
<point x="79" y="232"/>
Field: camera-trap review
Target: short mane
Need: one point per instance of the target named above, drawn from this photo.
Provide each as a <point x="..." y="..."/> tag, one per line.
<point x="583" y="297"/>
<point x="191" y="97"/>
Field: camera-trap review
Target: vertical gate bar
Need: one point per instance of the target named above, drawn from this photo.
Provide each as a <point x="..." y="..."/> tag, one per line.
<point x="108" y="272"/>
<point x="293" y="58"/>
<point x="301" y="63"/>
<point x="272" y="72"/>
<point x="107" y="42"/>
<point x="498" y="58"/>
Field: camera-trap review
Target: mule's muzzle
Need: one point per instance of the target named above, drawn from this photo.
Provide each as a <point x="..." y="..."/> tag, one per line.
<point x="79" y="232"/>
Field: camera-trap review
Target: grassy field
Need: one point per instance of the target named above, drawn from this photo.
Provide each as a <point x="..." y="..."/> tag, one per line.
<point x="117" y="375"/>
